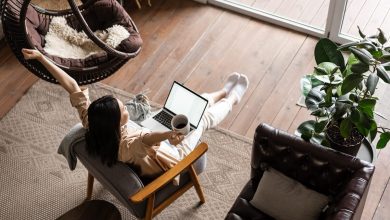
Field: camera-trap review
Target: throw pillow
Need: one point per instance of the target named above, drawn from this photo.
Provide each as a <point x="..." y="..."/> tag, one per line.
<point x="286" y="199"/>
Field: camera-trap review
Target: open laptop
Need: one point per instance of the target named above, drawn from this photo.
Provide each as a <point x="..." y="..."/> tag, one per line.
<point x="180" y="100"/>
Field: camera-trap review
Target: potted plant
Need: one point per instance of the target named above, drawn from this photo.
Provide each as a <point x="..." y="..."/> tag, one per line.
<point x="341" y="94"/>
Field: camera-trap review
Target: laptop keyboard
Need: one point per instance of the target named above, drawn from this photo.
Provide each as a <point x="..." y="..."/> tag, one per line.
<point x="164" y="118"/>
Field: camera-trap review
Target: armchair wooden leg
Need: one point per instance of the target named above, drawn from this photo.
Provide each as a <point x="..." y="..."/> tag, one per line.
<point x="196" y="183"/>
<point x="89" y="186"/>
<point x="150" y="207"/>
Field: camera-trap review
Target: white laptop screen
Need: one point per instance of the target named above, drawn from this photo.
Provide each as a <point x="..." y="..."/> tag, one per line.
<point x="183" y="101"/>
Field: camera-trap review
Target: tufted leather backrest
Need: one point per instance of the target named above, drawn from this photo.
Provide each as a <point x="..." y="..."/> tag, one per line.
<point x="343" y="177"/>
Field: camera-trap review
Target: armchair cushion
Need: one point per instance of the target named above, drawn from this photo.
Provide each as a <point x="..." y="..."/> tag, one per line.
<point x="286" y="199"/>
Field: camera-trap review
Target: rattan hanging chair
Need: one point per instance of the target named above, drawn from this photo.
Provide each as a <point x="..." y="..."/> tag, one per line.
<point x="26" y="24"/>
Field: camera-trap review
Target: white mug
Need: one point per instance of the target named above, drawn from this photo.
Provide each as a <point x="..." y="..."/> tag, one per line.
<point x="180" y="124"/>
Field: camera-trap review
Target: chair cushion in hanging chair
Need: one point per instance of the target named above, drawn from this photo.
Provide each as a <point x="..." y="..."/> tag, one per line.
<point x="101" y="15"/>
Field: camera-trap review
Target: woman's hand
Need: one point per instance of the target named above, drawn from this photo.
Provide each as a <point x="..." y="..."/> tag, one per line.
<point x="175" y="138"/>
<point x="30" y="54"/>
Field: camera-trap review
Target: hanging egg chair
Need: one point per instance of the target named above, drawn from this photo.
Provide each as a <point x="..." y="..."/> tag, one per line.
<point x="25" y="26"/>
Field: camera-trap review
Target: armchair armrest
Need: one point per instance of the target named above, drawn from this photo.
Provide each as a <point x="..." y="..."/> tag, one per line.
<point x="168" y="176"/>
<point x="352" y="199"/>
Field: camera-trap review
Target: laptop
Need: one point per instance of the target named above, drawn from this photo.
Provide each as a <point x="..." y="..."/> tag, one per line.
<point x="180" y="100"/>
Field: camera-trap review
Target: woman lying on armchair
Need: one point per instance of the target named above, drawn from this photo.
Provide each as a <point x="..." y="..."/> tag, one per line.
<point x="108" y="136"/>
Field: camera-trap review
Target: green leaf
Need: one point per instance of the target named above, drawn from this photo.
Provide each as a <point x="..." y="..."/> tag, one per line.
<point x="372" y="82"/>
<point x="386" y="66"/>
<point x="314" y="98"/>
<point x="326" y="51"/>
<point x="367" y="103"/>
<point x="383" y="139"/>
<point x="306" y="85"/>
<point x="353" y="97"/>
<point x="340" y="109"/>
<point x="360" y="67"/>
<point x="363" y="125"/>
<point x="362" y="54"/>
<point x="355" y="116"/>
<point x="360" y="86"/>
<point x="306" y="129"/>
<point x="322" y="78"/>
<point x="347" y="45"/>
<point x="364" y="43"/>
<point x="320" y="70"/>
<point x="345" y="128"/>
<point x="381" y="37"/>
<point x="351" y="82"/>
<point x="382" y="73"/>
<point x="367" y="106"/>
<point x="328" y="96"/>
<point x="373" y="130"/>
<point x="385" y="57"/>
<point x="319" y="112"/>
<point x="318" y="139"/>
<point x="361" y="33"/>
<point x="320" y="126"/>
<point x="377" y="54"/>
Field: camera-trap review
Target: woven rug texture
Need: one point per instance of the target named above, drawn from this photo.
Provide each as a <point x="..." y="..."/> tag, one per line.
<point x="36" y="182"/>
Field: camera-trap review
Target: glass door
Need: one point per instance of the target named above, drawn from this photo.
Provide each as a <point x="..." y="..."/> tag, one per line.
<point x="335" y="19"/>
<point x="308" y="16"/>
<point x="368" y="15"/>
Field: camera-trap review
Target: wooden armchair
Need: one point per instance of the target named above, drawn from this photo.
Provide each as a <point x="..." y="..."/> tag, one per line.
<point x="143" y="201"/>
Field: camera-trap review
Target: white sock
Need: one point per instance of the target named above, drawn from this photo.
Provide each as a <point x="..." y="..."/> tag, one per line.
<point x="230" y="82"/>
<point x="239" y="89"/>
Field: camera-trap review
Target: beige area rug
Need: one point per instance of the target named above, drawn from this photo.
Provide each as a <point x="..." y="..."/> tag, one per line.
<point x="36" y="182"/>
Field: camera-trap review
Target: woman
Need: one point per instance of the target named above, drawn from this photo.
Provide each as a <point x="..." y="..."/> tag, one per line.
<point x="109" y="137"/>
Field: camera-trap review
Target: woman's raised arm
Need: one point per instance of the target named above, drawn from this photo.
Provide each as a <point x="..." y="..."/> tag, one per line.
<point x="61" y="76"/>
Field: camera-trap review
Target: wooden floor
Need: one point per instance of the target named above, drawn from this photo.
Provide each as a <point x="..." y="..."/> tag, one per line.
<point x="368" y="14"/>
<point x="200" y="45"/>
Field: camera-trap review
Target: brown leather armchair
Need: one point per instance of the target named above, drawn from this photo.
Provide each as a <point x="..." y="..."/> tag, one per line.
<point x="344" y="178"/>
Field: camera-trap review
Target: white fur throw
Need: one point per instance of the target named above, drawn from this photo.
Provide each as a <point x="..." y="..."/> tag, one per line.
<point x="64" y="41"/>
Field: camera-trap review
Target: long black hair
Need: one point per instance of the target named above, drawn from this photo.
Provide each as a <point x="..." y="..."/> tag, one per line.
<point x="103" y="135"/>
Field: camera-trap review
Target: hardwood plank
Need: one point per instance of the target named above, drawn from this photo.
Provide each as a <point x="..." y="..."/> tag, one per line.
<point x="287" y="89"/>
<point x="180" y="66"/>
<point x="271" y="75"/>
<point x="154" y="32"/>
<point x="292" y="9"/>
<point x="310" y="11"/>
<point x="205" y="71"/>
<point x="383" y="210"/>
<point x="145" y="14"/>
<point x="15" y="92"/>
<point x="377" y="18"/>
<point x="270" y="6"/>
<point x="319" y="19"/>
<point x="378" y="186"/>
<point x="289" y="111"/>
<point x="8" y="69"/>
<point x="201" y="23"/>
<point x="5" y="53"/>
<point x="385" y="26"/>
<point x="303" y="115"/>
<point x="247" y="58"/>
<point x="351" y="13"/>
<point x="381" y="176"/>
<point x="366" y="11"/>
